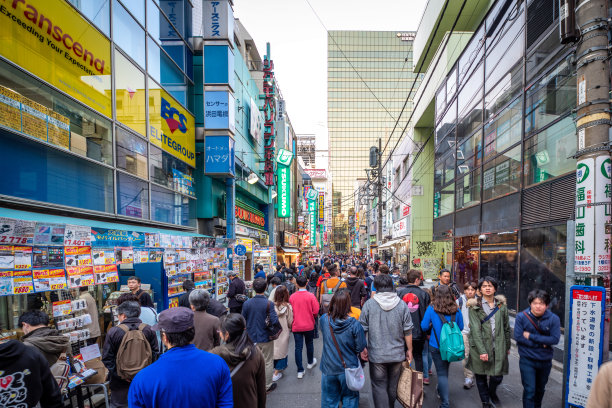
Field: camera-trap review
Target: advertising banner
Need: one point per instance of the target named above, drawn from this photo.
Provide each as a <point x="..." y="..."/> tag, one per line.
<point x="585" y="217"/>
<point x="172" y="127"/>
<point x="603" y="192"/>
<point x="284" y="188"/>
<point x="219" y="155"/>
<point x="321" y="208"/>
<point x="312" y="212"/>
<point x="50" y="39"/>
<point x="400" y="228"/>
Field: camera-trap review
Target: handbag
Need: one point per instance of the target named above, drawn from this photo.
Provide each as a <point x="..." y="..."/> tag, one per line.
<point x="355" y="379"/>
<point x="275" y="329"/>
<point x="241" y="298"/>
<point x="410" y="387"/>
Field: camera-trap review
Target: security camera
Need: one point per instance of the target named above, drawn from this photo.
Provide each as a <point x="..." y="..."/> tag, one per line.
<point x="482" y="238"/>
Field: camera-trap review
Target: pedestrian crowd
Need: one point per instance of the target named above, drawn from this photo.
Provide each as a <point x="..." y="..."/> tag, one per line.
<point x="368" y="316"/>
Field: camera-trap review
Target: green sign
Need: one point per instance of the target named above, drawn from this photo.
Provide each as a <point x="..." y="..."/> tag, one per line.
<point x="283" y="204"/>
<point x="582" y="173"/>
<point x="312" y="212"/>
<point x="284" y="157"/>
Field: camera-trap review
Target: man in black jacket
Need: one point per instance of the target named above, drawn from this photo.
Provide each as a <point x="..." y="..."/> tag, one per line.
<point x="128" y="313"/>
<point x="236" y="287"/>
<point x="144" y="298"/>
<point x="25" y="378"/>
<point x="357" y="288"/>
<point x="417" y="300"/>
<point x="188" y="287"/>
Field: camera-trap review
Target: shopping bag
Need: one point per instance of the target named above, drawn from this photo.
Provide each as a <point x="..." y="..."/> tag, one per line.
<point x="410" y="387"/>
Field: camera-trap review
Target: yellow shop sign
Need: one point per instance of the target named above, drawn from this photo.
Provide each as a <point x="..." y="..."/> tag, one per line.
<point x="51" y="40"/>
<point x="171" y="127"/>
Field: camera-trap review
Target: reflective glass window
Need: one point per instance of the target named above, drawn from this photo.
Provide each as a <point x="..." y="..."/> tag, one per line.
<point x="153" y="16"/>
<point x="131" y="153"/>
<point x="504" y="130"/>
<point x="128" y="34"/>
<point x="550" y="97"/>
<point x="137" y="8"/>
<point x="175" y="10"/>
<point x="132" y="196"/>
<point x="168" y="206"/>
<point x="468" y="190"/>
<point x="97" y="12"/>
<point x="130" y="94"/>
<point x="505" y="58"/>
<point x="162" y="165"/>
<point x="50" y="117"/>
<point x="510" y="86"/>
<point x="444" y="200"/>
<point x="469" y="153"/>
<point x="501" y="176"/>
<point x="441" y="100"/>
<point x="470" y="94"/>
<point x="546" y="154"/>
<point x="162" y="68"/>
<point x="447" y="123"/>
<point x="471" y="56"/>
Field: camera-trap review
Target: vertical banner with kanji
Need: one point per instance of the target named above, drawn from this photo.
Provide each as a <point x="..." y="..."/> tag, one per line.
<point x="585" y="217"/>
<point x="312" y="212"/>
<point x="585" y="351"/>
<point x="602" y="214"/>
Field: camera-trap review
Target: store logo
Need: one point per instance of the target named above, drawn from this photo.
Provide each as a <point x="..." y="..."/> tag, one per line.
<point x="284" y="157"/>
<point x="168" y="113"/>
<point x="605" y="168"/>
<point x="582" y="172"/>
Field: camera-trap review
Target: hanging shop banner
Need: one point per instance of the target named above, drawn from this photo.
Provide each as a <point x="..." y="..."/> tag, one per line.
<point x="6" y="283"/>
<point x="49" y="279"/>
<point x="53" y="41"/>
<point x="18" y="232"/>
<point x="603" y="214"/>
<point x="585" y="217"/>
<point x="400" y="228"/>
<point x="80" y="276"/>
<point x="152" y="240"/>
<point x="269" y="113"/>
<point x="321" y="208"/>
<point x="312" y="212"/>
<point x="102" y="237"/>
<point x="284" y="191"/>
<point x="47" y="257"/>
<point x="284" y="157"/>
<point x="106" y="274"/>
<point x="218" y="20"/>
<point x="22" y="282"/>
<point x="77" y="235"/>
<point x="49" y="234"/>
<point x="77" y="256"/>
<point x="585" y="351"/>
<point x="219" y="155"/>
<point x="171" y="127"/>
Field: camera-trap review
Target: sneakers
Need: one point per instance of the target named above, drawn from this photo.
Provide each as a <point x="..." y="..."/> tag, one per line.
<point x="300" y="375"/>
<point x="430" y="373"/>
<point x="271" y="388"/>
<point x="468" y="383"/>
<point x="425" y="381"/>
<point x="314" y="363"/>
<point x="276" y="377"/>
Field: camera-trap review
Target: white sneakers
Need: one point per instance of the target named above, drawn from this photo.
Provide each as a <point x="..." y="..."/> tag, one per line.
<point x="314" y="363"/>
<point x="276" y="377"/>
<point x="300" y="375"/>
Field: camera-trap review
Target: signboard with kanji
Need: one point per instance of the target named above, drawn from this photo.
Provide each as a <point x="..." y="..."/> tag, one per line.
<point x="585" y="217"/>
<point x="585" y="351"/>
<point x="602" y="214"/>
<point x="219" y="155"/>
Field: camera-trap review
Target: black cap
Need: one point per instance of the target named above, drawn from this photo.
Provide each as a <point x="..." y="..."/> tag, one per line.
<point x="174" y="320"/>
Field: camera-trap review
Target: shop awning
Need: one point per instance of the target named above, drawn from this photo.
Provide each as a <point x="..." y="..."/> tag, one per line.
<point x="290" y="250"/>
<point x="391" y="243"/>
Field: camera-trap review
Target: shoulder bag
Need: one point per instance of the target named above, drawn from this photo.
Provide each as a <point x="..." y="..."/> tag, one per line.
<point x="274" y="329"/>
<point x="355" y="379"/>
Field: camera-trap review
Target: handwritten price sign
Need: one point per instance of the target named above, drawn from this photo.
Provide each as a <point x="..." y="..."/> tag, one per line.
<point x="8" y="239"/>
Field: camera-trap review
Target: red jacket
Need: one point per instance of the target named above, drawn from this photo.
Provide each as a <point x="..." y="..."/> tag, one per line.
<point x="305" y="307"/>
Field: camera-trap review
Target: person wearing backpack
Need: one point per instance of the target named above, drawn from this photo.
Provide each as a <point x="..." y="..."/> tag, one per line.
<point x="329" y="287"/>
<point x="129" y="347"/>
<point x="357" y="288"/>
<point x="446" y="340"/>
<point x="489" y="340"/>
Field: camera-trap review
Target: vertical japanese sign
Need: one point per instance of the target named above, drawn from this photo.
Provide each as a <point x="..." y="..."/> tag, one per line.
<point x="284" y="188"/>
<point x="312" y="212"/>
<point x="587" y="309"/>
<point x="219" y="155"/>
<point x="585" y="217"/>
<point x="602" y="214"/>
<point x="269" y="110"/>
<point x="321" y="207"/>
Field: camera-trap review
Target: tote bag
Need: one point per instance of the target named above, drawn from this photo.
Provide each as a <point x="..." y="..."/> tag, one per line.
<point x="410" y="387"/>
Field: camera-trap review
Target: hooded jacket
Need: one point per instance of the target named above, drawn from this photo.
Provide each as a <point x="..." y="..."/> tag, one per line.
<point x="386" y="320"/>
<point x="351" y="341"/>
<point x="49" y="342"/>
<point x="358" y="290"/>
<point x="482" y="340"/>
<point x="417" y="309"/>
<point x="25" y="378"/>
<point x="249" y="382"/>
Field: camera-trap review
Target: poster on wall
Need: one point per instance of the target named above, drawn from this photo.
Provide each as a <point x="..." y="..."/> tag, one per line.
<point x="106" y="274"/>
<point x="103" y="256"/>
<point x="17" y="232"/>
<point x="43" y="257"/>
<point x="6" y="283"/>
<point x="152" y="240"/>
<point x="49" y="234"/>
<point x="80" y="276"/>
<point x="77" y="235"/>
<point x="49" y="279"/>
<point x="109" y="238"/>
<point x="124" y="255"/>
<point x="22" y="282"/>
<point x="77" y="255"/>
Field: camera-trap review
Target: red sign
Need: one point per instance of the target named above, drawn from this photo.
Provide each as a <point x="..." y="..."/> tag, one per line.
<point x="405" y="210"/>
<point x="269" y="111"/>
<point x="249" y="217"/>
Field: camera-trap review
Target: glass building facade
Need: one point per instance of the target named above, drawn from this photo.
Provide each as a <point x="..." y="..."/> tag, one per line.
<point x="98" y="120"/>
<point x="504" y="135"/>
<point x="369" y="75"/>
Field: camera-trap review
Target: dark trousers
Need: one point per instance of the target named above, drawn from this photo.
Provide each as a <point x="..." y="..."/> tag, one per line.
<point x="384" y="378"/>
<point x="486" y="388"/>
<point x="299" y="338"/>
<point x="417" y="353"/>
<point x="236" y="309"/>
<point x="534" y="375"/>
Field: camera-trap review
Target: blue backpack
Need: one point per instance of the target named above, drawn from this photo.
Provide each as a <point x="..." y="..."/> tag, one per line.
<point x="451" y="340"/>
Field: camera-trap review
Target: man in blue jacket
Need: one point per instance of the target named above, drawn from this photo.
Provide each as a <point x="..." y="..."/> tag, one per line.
<point x="184" y="376"/>
<point x="536" y="331"/>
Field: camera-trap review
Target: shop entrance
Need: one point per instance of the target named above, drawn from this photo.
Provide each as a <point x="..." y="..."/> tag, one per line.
<point x="466" y="260"/>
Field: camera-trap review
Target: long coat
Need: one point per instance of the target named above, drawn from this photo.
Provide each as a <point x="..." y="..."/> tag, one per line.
<point x="481" y="339"/>
<point x="285" y="317"/>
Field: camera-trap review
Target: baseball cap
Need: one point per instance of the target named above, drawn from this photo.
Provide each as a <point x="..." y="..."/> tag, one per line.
<point x="232" y="273"/>
<point x="174" y="320"/>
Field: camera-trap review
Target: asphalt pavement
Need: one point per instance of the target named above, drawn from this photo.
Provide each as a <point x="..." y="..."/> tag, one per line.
<point x="292" y="392"/>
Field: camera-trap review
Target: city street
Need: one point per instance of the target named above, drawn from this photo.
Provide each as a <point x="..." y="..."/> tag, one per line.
<point x="306" y="392"/>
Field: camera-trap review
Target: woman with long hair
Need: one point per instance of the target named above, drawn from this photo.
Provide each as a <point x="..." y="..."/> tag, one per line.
<point x="284" y="311"/>
<point x="441" y="310"/>
<point x="351" y="340"/>
<point x="245" y="361"/>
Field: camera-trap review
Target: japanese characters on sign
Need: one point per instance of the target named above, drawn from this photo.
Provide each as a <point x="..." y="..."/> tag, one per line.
<point x="218" y="20"/>
<point x="219" y="155"/>
<point x="585" y="217"/>
<point x="269" y="110"/>
<point x="284" y="191"/>
<point x="312" y="212"/>
<point x="602" y="214"/>
<point x="321" y="207"/>
<point x="400" y="228"/>
<point x="219" y="110"/>
<point x="587" y="308"/>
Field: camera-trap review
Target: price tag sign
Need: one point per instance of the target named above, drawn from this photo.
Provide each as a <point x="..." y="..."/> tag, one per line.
<point x="22" y="282"/>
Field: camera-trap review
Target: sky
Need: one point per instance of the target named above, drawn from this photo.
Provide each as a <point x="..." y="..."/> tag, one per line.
<point x="298" y="42"/>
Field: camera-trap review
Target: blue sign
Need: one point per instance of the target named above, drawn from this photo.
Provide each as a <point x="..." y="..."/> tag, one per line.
<point x="240" y="250"/>
<point x="219" y="155"/>
<point x="219" y="110"/>
<point x="104" y="238"/>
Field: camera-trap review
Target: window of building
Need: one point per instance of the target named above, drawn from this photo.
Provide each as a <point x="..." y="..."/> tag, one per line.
<point x="444" y="200"/>
<point x="471" y="56"/>
<point x="447" y="123"/>
<point x="131" y="153"/>
<point x="471" y="93"/>
<point x="469" y="153"/>
<point x="504" y="130"/>
<point x="547" y="153"/>
<point x="137" y="8"/>
<point x="132" y="196"/>
<point x="162" y="68"/>
<point x="97" y="12"/>
<point x="169" y="207"/>
<point x="128" y="34"/>
<point x="468" y="190"/>
<point x="162" y="166"/>
<point x="130" y="97"/>
<point x="501" y="176"/>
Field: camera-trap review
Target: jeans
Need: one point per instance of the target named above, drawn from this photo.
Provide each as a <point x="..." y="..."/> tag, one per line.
<point x="281" y="364"/>
<point x="384" y="378"/>
<point x="442" y="374"/>
<point x="417" y="353"/>
<point x="534" y="375"/>
<point x="316" y="329"/>
<point x="487" y="388"/>
<point x="427" y="362"/>
<point x="299" y="338"/>
<point x="334" y="391"/>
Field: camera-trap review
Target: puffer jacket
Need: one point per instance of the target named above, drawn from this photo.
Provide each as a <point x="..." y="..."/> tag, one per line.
<point x="483" y="342"/>
<point x="50" y="342"/>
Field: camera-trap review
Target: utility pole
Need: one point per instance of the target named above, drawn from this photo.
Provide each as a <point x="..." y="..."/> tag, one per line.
<point x="593" y="190"/>
<point x="380" y="190"/>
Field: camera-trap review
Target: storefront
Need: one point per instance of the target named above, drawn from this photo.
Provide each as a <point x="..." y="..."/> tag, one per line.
<point x="289" y="253"/>
<point x="250" y="233"/>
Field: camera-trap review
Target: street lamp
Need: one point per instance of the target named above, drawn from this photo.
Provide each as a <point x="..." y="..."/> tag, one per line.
<point x="252" y="178"/>
<point x="274" y="194"/>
